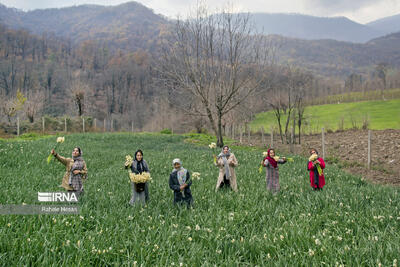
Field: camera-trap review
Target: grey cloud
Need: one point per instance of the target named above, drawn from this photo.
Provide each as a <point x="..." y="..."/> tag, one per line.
<point x="337" y="6"/>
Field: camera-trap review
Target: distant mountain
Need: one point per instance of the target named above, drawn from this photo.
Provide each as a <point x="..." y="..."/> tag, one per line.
<point x="388" y="25"/>
<point x="314" y="28"/>
<point x="128" y="26"/>
<point x="326" y="46"/>
<point x="335" y="58"/>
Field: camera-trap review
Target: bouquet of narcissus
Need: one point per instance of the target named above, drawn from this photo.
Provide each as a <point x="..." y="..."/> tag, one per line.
<point x="59" y="141"/>
<point x="196" y="175"/>
<point x="128" y="161"/>
<point x="265" y="154"/>
<point x="140" y="178"/>
<point x="313" y="159"/>
<point x="213" y="146"/>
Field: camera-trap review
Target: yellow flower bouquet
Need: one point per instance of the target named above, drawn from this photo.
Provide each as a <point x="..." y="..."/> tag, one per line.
<point x="128" y="161"/>
<point x="196" y="175"/>
<point x="213" y="146"/>
<point x="60" y="140"/>
<point x="313" y="158"/>
<point x="139" y="178"/>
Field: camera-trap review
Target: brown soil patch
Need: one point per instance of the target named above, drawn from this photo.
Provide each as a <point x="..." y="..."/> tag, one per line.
<point x="349" y="149"/>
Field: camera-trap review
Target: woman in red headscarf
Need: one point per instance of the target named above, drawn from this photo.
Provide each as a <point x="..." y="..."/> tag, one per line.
<point x="272" y="175"/>
<point x="317" y="178"/>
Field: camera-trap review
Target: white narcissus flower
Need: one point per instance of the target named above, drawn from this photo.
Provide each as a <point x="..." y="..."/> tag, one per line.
<point x="60" y="139"/>
<point x="265" y="154"/>
<point x="212" y="145"/>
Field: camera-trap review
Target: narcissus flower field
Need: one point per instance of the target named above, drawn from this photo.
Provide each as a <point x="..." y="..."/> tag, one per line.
<point x="350" y="222"/>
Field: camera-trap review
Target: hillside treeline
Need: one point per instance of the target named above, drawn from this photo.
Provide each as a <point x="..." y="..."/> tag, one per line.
<point x="58" y="77"/>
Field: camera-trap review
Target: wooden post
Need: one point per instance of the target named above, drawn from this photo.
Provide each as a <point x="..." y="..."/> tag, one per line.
<point x="83" y="124"/>
<point x="65" y="124"/>
<point x="323" y="143"/>
<point x="272" y="137"/>
<point x="95" y="124"/>
<point x="248" y="134"/>
<point x="291" y="141"/>
<point x="43" y="124"/>
<point x="17" y="125"/>
<point x="104" y="125"/>
<point x="369" y="149"/>
<point x="241" y="134"/>
<point x="112" y="124"/>
<point x="262" y="136"/>
<point x="233" y="131"/>
<point x="132" y="126"/>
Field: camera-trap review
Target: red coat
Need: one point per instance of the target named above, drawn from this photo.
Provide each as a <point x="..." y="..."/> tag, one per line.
<point x="313" y="169"/>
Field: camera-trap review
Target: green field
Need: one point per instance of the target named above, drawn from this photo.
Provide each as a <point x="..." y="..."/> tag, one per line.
<point x="380" y="114"/>
<point x="350" y="223"/>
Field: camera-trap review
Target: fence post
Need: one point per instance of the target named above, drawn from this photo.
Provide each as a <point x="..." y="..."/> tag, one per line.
<point x="65" y="124"/>
<point x="369" y="149"/>
<point x="132" y="126"/>
<point x="241" y="134"/>
<point x="83" y="124"/>
<point x="272" y="137"/>
<point x="95" y="124"/>
<point x="112" y="124"/>
<point x="291" y="141"/>
<point x="233" y="131"/>
<point x="248" y="134"/>
<point x="17" y="125"/>
<point x="104" y="125"/>
<point x="323" y="143"/>
<point x="43" y="124"/>
<point x="262" y="136"/>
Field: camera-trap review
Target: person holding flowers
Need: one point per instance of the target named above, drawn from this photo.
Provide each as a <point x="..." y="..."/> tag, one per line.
<point x="227" y="162"/>
<point x="180" y="182"/>
<point x="140" y="191"/>
<point x="76" y="170"/>
<point x="271" y="162"/>
<point x="316" y="165"/>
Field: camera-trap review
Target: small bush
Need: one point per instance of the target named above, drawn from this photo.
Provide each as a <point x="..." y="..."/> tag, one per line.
<point x="166" y="131"/>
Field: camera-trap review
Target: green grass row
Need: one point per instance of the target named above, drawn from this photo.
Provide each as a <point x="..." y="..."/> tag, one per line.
<point x="376" y="115"/>
<point x="350" y="223"/>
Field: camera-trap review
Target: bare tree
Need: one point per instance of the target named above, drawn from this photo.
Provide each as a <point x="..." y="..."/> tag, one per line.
<point x="33" y="105"/>
<point x="381" y="71"/>
<point x="217" y="61"/>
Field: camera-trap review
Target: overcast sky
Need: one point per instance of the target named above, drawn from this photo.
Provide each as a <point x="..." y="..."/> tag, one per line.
<point x="358" y="10"/>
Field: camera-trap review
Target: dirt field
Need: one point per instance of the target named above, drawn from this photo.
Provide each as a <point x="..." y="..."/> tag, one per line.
<point x="349" y="149"/>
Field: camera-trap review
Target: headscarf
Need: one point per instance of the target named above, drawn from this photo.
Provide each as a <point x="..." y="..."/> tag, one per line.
<point x="181" y="172"/>
<point x="225" y="160"/>
<point x="139" y="165"/>
<point x="270" y="159"/>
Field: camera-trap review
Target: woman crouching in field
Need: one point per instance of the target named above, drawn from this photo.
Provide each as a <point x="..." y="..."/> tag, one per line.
<point x="140" y="192"/>
<point x="76" y="171"/>
<point x="227" y="163"/>
<point x="180" y="182"/>
<point x="316" y="165"/>
<point x="272" y="173"/>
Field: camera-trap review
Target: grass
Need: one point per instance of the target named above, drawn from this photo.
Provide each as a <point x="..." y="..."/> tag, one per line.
<point x="379" y="114"/>
<point x="351" y="222"/>
<point x="357" y="96"/>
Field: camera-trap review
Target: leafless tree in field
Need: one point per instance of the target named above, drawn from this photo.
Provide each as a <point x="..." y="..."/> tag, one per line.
<point x="213" y="63"/>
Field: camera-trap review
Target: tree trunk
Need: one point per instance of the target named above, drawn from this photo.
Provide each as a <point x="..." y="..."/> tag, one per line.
<point x="220" y="140"/>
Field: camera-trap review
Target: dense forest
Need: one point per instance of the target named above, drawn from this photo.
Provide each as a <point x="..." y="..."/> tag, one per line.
<point x="104" y="62"/>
